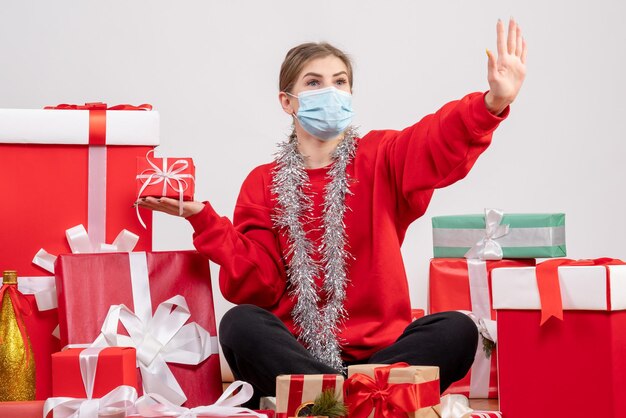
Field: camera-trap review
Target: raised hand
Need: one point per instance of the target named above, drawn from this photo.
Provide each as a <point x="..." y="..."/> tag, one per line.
<point x="506" y="73"/>
<point x="170" y="206"/>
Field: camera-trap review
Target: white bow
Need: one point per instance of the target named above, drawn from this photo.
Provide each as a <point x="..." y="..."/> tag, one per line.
<point x="488" y="248"/>
<point x="167" y="176"/>
<point x="154" y="405"/>
<point x="159" y="339"/>
<point x="120" y="399"/>
<point x="44" y="288"/>
<point x="455" y="406"/>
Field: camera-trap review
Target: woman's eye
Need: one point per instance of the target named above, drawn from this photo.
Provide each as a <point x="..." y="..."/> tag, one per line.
<point x="341" y="81"/>
<point x="312" y="83"/>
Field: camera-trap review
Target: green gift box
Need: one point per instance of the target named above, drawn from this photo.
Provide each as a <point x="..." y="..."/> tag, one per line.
<point x="496" y="235"/>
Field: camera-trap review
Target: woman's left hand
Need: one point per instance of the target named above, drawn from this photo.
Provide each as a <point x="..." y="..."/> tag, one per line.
<point x="506" y="73"/>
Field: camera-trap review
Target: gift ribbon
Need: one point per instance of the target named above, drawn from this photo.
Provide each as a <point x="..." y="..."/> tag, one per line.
<point x="88" y="361"/>
<point x="44" y="288"/>
<point x="364" y="394"/>
<point x="457" y="406"/>
<point x="120" y="399"/>
<point x="550" y="289"/>
<point x="21" y="307"/>
<point x="167" y="176"/>
<point x="481" y="315"/>
<point x="155" y="405"/>
<point x="488" y="248"/>
<point x="160" y="338"/>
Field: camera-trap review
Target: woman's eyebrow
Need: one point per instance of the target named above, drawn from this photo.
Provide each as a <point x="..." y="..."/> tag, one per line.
<point x="319" y="75"/>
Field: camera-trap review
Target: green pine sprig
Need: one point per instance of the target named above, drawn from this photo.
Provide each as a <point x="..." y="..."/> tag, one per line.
<point x="328" y="405"/>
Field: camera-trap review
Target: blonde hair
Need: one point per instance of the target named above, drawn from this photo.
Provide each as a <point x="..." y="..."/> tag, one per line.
<point x="299" y="56"/>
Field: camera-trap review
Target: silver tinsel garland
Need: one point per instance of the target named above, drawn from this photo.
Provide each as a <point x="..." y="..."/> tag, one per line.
<point x="318" y="327"/>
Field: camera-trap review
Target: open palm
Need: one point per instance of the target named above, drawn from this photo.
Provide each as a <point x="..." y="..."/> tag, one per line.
<point x="507" y="71"/>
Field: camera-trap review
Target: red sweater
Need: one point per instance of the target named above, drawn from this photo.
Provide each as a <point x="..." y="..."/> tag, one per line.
<point x="396" y="173"/>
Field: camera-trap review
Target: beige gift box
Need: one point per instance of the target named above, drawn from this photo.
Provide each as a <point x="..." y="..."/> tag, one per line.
<point x="425" y="378"/>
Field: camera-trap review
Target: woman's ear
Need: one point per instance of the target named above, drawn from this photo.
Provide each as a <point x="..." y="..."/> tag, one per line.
<point x="286" y="103"/>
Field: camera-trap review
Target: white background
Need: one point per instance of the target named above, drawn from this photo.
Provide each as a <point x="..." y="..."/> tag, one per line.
<point x="211" y="69"/>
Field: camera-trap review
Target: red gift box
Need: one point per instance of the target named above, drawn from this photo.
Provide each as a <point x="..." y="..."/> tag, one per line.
<point x="169" y="177"/>
<point x="460" y="284"/>
<point x="49" y="156"/>
<point x="166" y="285"/>
<point x="112" y="367"/>
<point x="580" y="357"/>
<point x="292" y="391"/>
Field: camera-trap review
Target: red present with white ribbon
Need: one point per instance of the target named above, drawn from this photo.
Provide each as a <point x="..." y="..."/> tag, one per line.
<point x="92" y="372"/>
<point x="80" y="391"/>
<point x="160" y="303"/>
<point x="465" y="285"/>
<point x="78" y="164"/>
<point x="576" y="355"/>
<point x="165" y="177"/>
<point x="293" y="391"/>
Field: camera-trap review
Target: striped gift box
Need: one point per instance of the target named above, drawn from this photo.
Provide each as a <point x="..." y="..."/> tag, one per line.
<point x="531" y="235"/>
<point x="295" y="390"/>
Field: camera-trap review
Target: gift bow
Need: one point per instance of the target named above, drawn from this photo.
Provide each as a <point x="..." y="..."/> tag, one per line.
<point x="120" y="399"/>
<point x="548" y="283"/>
<point x="79" y="241"/>
<point x="159" y="339"/>
<point x="455" y="406"/>
<point x="362" y="394"/>
<point x="21" y="307"/>
<point x="155" y="405"/>
<point x="99" y="106"/>
<point x="488" y="248"/>
<point x="167" y="176"/>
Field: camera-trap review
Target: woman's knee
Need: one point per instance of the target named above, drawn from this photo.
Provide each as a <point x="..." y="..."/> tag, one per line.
<point x="459" y="330"/>
<point x="237" y="322"/>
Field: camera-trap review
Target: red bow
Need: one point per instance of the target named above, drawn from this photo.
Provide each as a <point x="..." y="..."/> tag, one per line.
<point x="364" y="394"/>
<point x="97" y="117"/>
<point x="21" y="306"/>
<point x="549" y="287"/>
<point x="99" y="106"/>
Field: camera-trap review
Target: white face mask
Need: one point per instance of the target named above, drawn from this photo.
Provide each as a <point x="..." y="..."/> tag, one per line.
<point x="324" y="113"/>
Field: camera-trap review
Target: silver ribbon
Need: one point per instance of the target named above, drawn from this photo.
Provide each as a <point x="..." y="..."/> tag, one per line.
<point x="155" y="405"/>
<point x="488" y="248"/>
<point x="160" y="338"/>
<point x="167" y="176"/>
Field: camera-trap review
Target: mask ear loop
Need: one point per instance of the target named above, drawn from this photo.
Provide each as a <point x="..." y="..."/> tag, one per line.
<point x="293" y="115"/>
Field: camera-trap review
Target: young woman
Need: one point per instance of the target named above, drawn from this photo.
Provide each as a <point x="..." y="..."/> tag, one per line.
<point x="312" y="256"/>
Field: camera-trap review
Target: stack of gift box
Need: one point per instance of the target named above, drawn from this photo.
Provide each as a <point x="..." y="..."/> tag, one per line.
<point x="86" y="273"/>
<point x="138" y="327"/>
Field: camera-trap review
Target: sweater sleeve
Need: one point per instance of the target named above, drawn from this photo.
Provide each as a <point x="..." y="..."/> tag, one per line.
<point x="438" y="150"/>
<point x="247" y="249"/>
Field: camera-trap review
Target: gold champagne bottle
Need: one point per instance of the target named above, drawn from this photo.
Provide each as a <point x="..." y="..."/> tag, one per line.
<point x="17" y="364"/>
